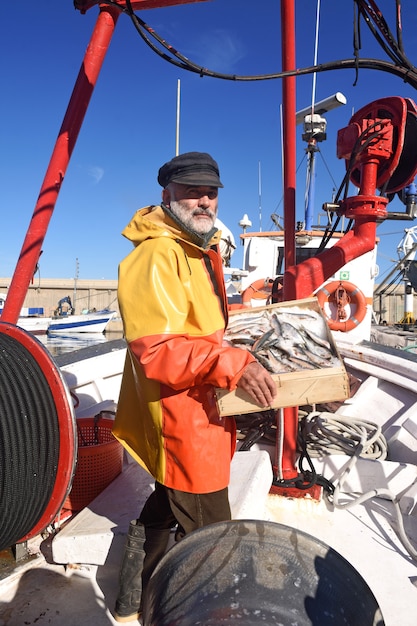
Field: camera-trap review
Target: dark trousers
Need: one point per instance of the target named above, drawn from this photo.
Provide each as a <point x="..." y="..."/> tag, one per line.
<point x="166" y="508"/>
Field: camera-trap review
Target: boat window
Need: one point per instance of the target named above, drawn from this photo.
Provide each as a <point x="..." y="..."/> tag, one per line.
<point x="301" y="254"/>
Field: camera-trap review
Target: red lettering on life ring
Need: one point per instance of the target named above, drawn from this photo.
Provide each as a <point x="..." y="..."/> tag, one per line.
<point x="260" y="289"/>
<point x="342" y="293"/>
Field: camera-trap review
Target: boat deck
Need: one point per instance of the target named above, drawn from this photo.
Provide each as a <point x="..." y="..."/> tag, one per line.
<point x="366" y="534"/>
<point x="74" y="579"/>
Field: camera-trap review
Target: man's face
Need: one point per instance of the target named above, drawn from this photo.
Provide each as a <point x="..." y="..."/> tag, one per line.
<point x="196" y="207"/>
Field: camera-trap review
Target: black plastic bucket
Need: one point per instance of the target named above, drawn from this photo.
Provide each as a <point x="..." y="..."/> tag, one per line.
<point x="255" y="572"/>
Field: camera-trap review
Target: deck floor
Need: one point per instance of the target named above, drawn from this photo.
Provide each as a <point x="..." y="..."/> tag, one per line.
<point x="73" y="594"/>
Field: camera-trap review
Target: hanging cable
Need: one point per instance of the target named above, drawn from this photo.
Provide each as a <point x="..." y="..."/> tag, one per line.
<point x="406" y="71"/>
<point x="356" y="41"/>
<point x="370" y="11"/>
<point x="399" y="25"/>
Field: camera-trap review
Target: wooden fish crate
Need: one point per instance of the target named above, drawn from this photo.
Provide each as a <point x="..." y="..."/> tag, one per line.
<point x="326" y="384"/>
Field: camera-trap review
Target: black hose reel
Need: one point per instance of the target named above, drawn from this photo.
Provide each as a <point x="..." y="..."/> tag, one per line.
<point x="38" y="441"/>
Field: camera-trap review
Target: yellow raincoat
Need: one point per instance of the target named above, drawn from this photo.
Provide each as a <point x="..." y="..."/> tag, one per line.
<point x="173" y="304"/>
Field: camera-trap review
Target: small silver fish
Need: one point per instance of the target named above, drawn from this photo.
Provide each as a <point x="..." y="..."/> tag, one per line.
<point x="244" y="339"/>
<point x="281" y="361"/>
<point x="263" y="340"/>
<point x="265" y="362"/>
<point x="318" y="340"/>
<point x="318" y="351"/>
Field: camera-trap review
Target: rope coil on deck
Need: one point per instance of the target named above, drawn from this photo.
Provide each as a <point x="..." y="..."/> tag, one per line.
<point x="31" y="443"/>
<point x="331" y="433"/>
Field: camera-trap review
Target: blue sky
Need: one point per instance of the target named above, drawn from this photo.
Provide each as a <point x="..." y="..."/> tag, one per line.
<point x="129" y="129"/>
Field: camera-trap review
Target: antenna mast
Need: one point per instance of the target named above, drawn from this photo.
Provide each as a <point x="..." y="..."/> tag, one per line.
<point x="260" y="195"/>
<point x="177" y="133"/>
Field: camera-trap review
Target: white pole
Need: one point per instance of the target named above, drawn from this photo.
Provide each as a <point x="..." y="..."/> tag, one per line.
<point x="74" y="295"/>
<point x="177" y="135"/>
<point x="316" y="47"/>
<point x="260" y="196"/>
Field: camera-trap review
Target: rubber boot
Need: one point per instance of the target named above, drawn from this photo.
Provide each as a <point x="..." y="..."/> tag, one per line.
<point x="144" y="549"/>
<point x="130" y="592"/>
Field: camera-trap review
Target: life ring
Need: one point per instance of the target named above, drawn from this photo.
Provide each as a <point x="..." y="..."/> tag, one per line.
<point x="341" y="293"/>
<point x="260" y="289"/>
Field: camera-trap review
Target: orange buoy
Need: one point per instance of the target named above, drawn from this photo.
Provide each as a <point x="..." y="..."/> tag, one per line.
<point x="342" y="293"/>
<point x="260" y="289"/>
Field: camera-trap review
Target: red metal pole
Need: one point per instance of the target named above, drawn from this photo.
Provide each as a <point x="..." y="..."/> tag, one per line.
<point x="288" y="132"/>
<point x="288" y="469"/>
<point x="77" y="107"/>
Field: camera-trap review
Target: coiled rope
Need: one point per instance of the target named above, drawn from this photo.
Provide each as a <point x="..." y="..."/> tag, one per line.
<point x="330" y="433"/>
<point x="32" y="404"/>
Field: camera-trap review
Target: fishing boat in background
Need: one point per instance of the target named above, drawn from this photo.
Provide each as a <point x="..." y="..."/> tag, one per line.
<point x="36" y="324"/>
<point x="89" y="322"/>
<point x="324" y="486"/>
<point x="31" y="319"/>
<point x="64" y="321"/>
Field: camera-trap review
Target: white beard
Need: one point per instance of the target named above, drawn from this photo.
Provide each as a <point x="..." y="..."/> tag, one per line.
<point x="190" y="219"/>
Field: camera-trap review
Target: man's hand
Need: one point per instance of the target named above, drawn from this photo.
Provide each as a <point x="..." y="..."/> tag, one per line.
<point x="257" y="382"/>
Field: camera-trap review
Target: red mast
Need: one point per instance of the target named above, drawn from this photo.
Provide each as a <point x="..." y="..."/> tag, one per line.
<point x="58" y="164"/>
<point x="65" y="143"/>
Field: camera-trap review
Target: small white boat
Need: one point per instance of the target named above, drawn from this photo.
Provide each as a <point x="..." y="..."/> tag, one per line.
<point x="31" y="319"/>
<point x="63" y="322"/>
<point x="85" y="323"/>
<point x="34" y="324"/>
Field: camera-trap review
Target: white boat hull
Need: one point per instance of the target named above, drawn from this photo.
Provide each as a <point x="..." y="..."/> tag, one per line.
<point x="85" y="323"/>
<point x="34" y="325"/>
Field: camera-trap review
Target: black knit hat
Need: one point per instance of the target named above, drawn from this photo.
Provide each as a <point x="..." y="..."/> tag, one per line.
<point x="191" y="168"/>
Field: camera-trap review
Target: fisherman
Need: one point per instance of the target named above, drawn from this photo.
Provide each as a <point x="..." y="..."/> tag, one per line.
<point x="173" y="304"/>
